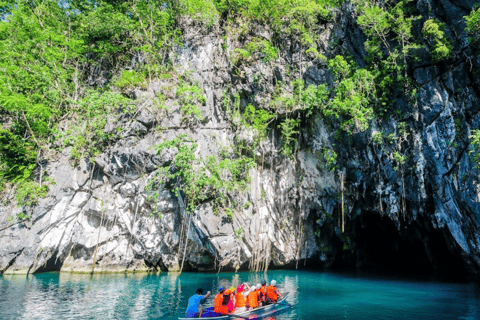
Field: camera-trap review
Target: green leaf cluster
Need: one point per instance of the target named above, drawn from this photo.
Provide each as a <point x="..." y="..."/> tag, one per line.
<point x="353" y="95"/>
<point x="86" y="131"/>
<point x="475" y="147"/>
<point x="473" y="24"/>
<point x="390" y="43"/>
<point x="434" y="32"/>
<point x="200" y="179"/>
<point x="29" y="192"/>
<point x="300" y="102"/>
<point x="130" y="79"/>
<point x="190" y="98"/>
<point x="263" y="47"/>
<point x="17" y="156"/>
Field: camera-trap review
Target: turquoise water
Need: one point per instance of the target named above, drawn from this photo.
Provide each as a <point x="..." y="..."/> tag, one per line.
<point x="314" y="295"/>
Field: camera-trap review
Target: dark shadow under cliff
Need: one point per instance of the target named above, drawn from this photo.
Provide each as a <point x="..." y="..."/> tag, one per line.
<point x="411" y="249"/>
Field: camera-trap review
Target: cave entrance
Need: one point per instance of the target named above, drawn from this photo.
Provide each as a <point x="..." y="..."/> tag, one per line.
<point x="381" y="245"/>
<point x="52" y="264"/>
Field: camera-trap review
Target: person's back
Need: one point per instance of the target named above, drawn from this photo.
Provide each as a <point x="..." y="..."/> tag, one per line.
<point x="272" y="292"/>
<point x="240" y="301"/>
<point x="217" y="303"/>
<point x="193" y="303"/>
<point x="228" y="301"/>
<point x="252" y="299"/>
<point x="194" y="309"/>
<point x="263" y="292"/>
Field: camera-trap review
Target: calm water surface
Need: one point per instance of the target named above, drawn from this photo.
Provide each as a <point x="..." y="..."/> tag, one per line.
<point x="314" y="295"/>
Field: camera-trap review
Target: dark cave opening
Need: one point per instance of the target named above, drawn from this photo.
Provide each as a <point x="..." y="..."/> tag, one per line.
<point x="380" y="245"/>
<point x="52" y="264"/>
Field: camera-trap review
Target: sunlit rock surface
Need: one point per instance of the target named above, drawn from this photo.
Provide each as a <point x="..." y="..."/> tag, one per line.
<point x="99" y="216"/>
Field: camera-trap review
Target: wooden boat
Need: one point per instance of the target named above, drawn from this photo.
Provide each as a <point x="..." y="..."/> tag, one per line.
<point x="266" y="310"/>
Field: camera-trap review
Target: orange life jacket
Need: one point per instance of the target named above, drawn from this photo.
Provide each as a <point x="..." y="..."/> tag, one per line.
<point x="217" y="303"/>
<point x="239" y="300"/>
<point x="263" y="292"/>
<point x="252" y="299"/>
<point x="223" y="301"/>
<point x="271" y="293"/>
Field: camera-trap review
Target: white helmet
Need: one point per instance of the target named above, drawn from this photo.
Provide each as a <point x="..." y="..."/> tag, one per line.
<point x="273" y="283"/>
<point x="258" y="285"/>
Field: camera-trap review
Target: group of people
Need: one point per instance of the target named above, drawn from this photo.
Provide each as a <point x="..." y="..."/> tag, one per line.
<point x="230" y="300"/>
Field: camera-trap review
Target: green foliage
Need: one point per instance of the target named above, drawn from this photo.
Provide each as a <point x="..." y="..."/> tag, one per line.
<point x="29" y="192"/>
<point x="262" y="47"/>
<point x="229" y="213"/>
<point x="190" y="98"/>
<point x="330" y="157"/>
<point x="339" y="67"/>
<point x="45" y="49"/>
<point x="377" y="137"/>
<point x="257" y="120"/>
<point x="353" y="94"/>
<point x="255" y="48"/>
<point x="473" y="24"/>
<point x="87" y="134"/>
<point x="200" y="10"/>
<point x="389" y="44"/>
<point x="433" y="31"/>
<point x="23" y="217"/>
<point x="475" y="147"/>
<point x="289" y="130"/>
<point x="129" y="79"/>
<point x="17" y="156"/>
<point x="238" y="232"/>
<point x="263" y="194"/>
<point x="203" y="179"/>
<point x="400" y="160"/>
<point x="307" y="100"/>
<point x="402" y="130"/>
<point x="278" y="12"/>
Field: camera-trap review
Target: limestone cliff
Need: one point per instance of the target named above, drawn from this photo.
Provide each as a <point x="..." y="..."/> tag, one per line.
<point x="425" y="214"/>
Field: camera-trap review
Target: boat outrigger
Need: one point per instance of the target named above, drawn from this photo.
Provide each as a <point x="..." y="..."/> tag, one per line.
<point x="250" y="314"/>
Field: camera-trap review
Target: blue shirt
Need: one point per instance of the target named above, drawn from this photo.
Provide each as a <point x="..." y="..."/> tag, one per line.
<point x="194" y="302"/>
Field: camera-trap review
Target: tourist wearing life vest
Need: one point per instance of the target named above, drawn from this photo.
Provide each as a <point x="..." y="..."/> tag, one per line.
<point x="218" y="305"/>
<point x="259" y="294"/>
<point x="263" y="293"/>
<point x="253" y="297"/>
<point x="240" y="297"/>
<point x="272" y="293"/>
<point x="231" y="302"/>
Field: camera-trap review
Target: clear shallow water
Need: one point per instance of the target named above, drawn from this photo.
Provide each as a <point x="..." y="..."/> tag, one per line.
<point x="314" y="295"/>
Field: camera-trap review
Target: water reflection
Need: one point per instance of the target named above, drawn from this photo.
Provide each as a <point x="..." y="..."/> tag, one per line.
<point x="313" y="295"/>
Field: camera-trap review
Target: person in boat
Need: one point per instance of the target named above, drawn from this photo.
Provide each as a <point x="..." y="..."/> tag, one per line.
<point x="218" y="304"/>
<point x="241" y="297"/>
<point x="263" y="293"/>
<point x="231" y="299"/>
<point x="253" y="298"/>
<point x="194" y="308"/>
<point x="272" y="293"/>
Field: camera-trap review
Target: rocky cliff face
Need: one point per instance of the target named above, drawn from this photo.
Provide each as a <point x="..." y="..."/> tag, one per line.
<point x="99" y="214"/>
